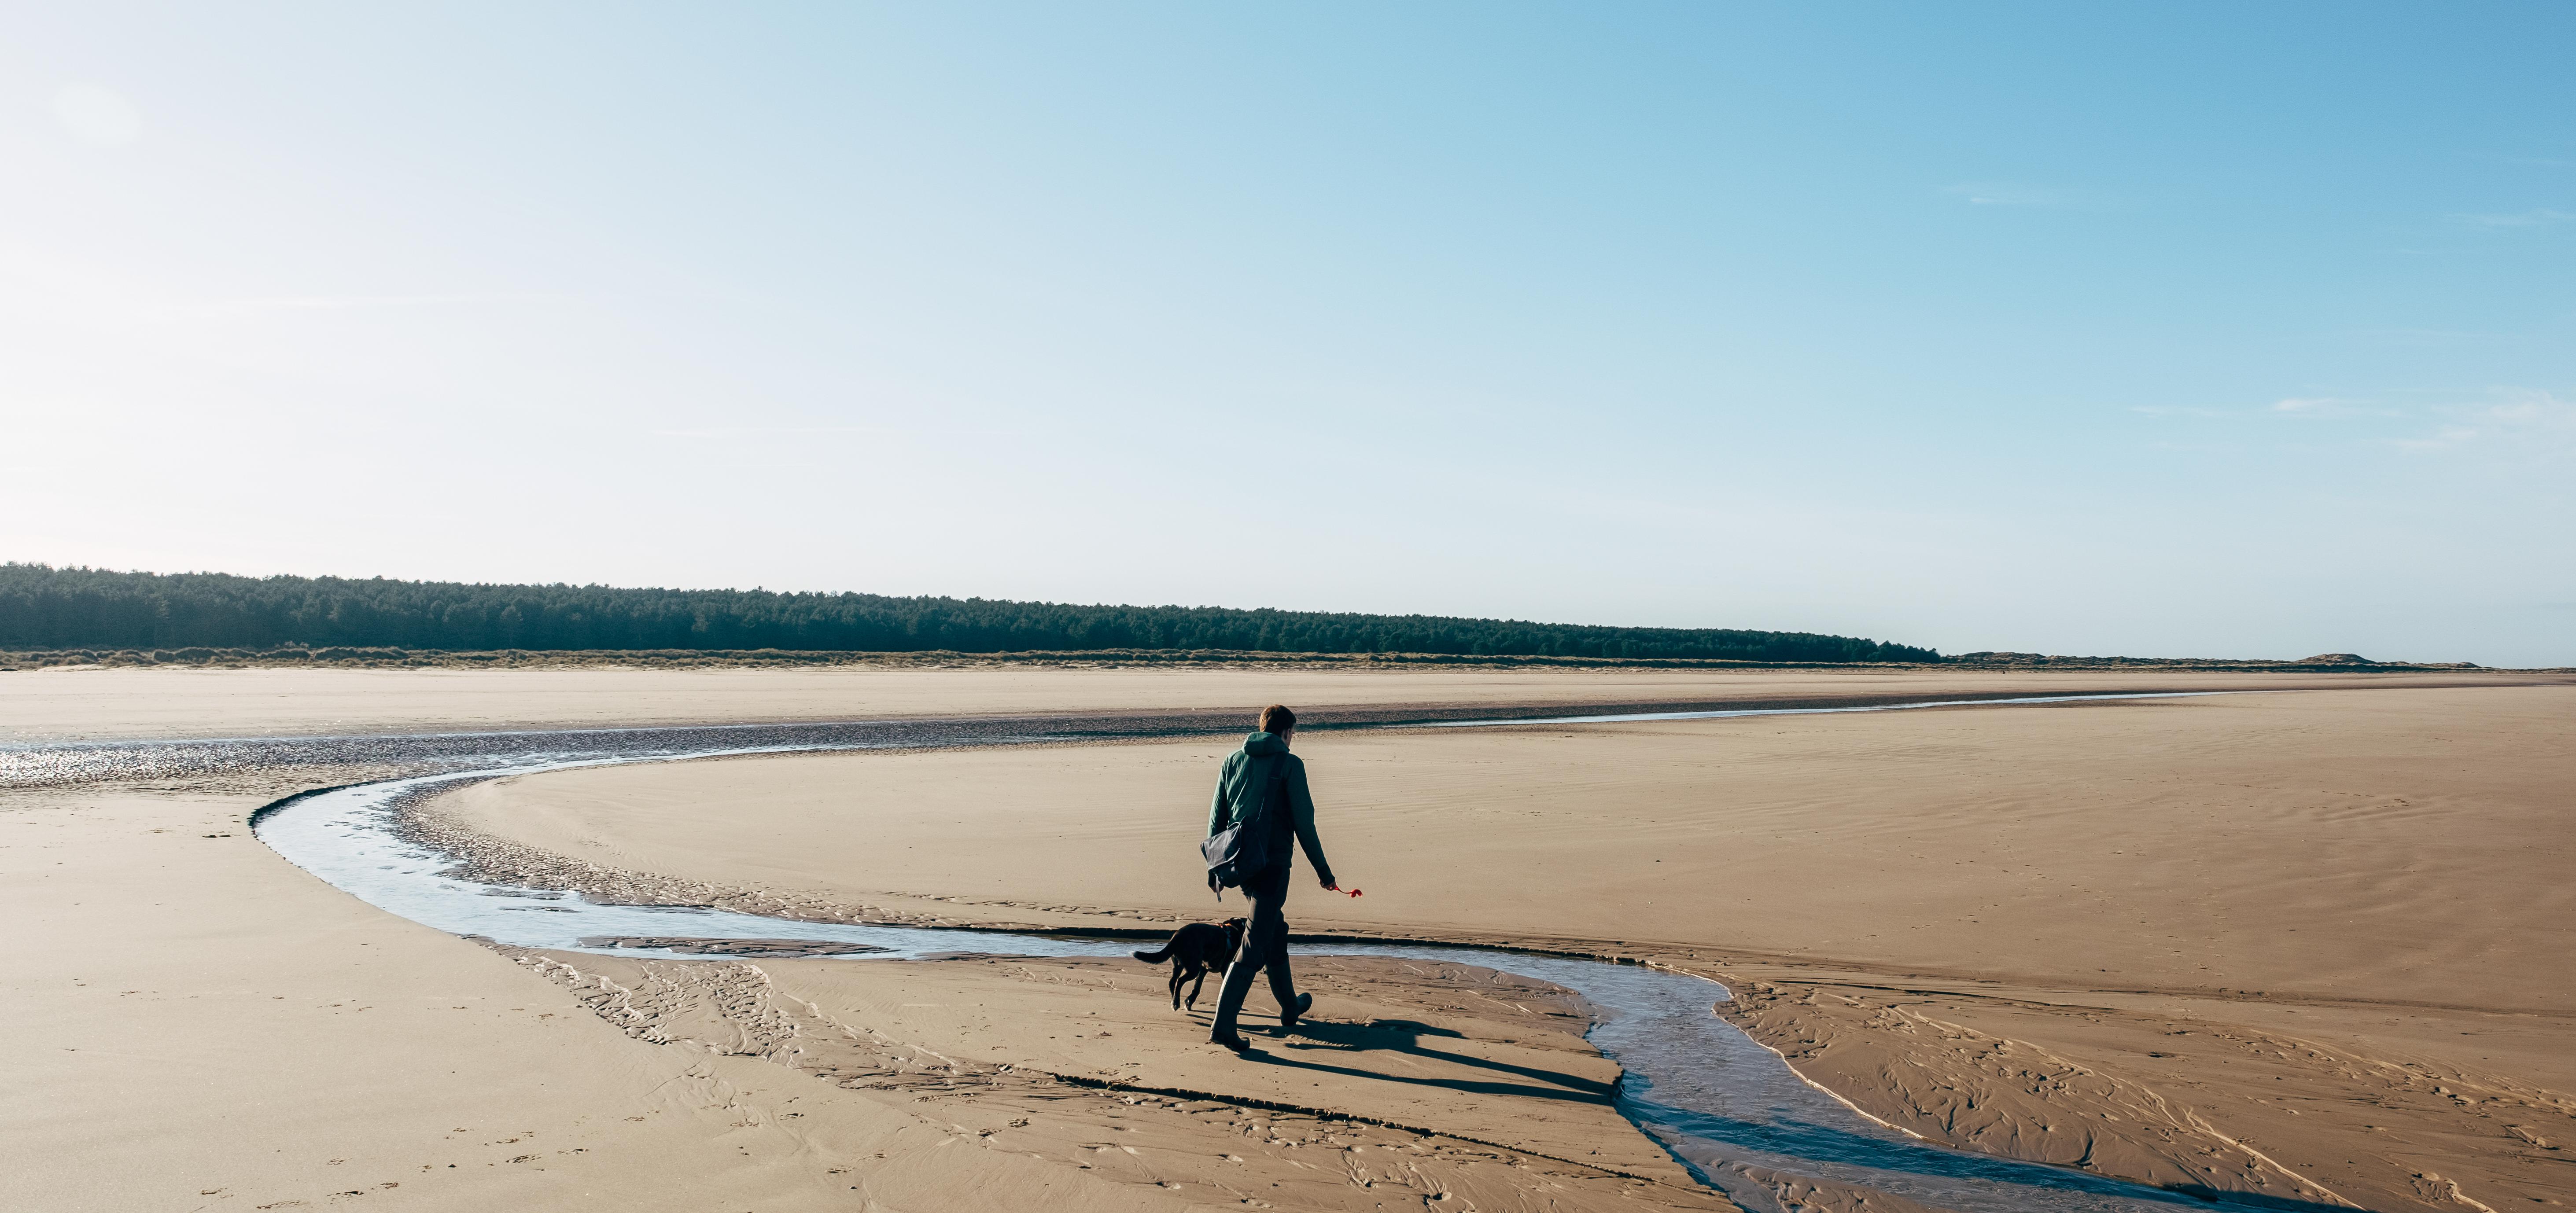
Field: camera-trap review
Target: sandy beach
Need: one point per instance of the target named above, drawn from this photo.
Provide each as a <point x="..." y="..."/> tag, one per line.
<point x="2303" y="945"/>
<point x="1885" y="609"/>
<point x="77" y="704"/>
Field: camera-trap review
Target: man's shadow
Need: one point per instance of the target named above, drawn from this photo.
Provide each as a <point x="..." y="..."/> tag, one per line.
<point x="1407" y="1036"/>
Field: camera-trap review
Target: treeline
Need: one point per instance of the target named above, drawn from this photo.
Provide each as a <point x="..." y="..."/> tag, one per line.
<point x="42" y="607"/>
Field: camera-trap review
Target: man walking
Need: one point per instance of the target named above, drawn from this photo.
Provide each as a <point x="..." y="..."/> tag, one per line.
<point x="1264" y="780"/>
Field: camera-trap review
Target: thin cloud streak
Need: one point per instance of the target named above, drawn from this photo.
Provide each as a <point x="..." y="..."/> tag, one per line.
<point x="890" y="431"/>
<point x="315" y="303"/>
<point x="2534" y="422"/>
<point x="2539" y="217"/>
<point x="2329" y="407"/>
<point x="2004" y="193"/>
<point x="756" y="431"/>
<point x="2313" y="408"/>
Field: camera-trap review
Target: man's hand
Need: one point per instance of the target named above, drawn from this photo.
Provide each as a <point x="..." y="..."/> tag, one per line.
<point x="1326" y="879"/>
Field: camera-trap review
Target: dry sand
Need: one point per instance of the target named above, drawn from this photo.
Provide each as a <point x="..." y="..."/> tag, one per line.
<point x="2306" y="943"/>
<point x="196" y="1025"/>
<point x="1918" y="905"/>
<point x="194" y="1028"/>
<point x="69" y="704"/>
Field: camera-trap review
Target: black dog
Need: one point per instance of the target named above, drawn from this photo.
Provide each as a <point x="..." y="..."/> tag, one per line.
<point x="1193" y="951"/>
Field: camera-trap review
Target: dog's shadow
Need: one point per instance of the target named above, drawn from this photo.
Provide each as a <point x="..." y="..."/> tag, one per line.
<point x="1406" y="1037"/>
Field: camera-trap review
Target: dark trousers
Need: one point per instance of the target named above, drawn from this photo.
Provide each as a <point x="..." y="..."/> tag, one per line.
<point x="1265" y="946"/>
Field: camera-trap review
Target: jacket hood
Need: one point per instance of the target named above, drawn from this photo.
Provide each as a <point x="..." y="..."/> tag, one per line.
<point x="1263" y="745"/>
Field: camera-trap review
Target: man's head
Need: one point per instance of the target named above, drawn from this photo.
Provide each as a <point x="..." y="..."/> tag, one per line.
<point x="1278" y="721"/>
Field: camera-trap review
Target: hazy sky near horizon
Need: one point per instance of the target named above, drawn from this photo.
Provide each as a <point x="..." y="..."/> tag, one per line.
<point x="2171" y="330"/>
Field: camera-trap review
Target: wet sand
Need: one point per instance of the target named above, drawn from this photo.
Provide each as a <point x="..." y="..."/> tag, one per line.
<point x="2211" y="942"/>
<point x="198" y="1024"/>
<point x="194" y="1028"/>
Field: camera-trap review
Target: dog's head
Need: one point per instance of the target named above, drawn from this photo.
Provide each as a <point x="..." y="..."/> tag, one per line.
<point x="1234" y="928"/>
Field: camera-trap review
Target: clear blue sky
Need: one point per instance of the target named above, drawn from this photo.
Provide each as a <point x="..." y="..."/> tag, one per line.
<point x="2218" y="330"/>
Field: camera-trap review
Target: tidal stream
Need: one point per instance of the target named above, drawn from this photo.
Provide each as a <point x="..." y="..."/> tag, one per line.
<point x="1727" y="1107"/>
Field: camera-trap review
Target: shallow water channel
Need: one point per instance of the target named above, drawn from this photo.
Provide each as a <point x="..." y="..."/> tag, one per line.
<point x="1727" y="1107"/>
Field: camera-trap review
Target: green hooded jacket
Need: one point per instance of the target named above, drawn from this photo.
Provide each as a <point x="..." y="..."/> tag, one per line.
<point x="1244" y="781"/>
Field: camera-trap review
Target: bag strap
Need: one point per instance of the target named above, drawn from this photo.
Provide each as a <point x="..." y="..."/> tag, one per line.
<point x="1274" y="789"/>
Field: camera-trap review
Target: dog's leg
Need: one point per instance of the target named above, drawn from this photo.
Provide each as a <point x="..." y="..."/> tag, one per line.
<point x="1194" y="990"/>
<point x="1179" y="975"/>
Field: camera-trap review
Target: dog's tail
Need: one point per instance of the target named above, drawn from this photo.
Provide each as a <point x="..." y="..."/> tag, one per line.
<point x="1156" y="957"/>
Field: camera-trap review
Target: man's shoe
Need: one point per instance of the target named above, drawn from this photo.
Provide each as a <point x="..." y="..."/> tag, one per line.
<point x="1289" y="1018"/>
<point x="1236" y="1043"/>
